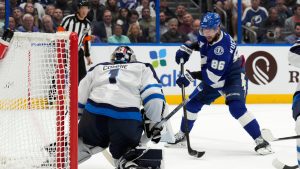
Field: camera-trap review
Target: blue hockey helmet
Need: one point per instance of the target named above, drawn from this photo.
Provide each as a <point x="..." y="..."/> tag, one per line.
<point x="211" y="20"/>
<point x="123" y="54"/>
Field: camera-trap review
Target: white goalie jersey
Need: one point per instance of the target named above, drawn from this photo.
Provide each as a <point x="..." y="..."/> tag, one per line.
<point x="294" y="54"/>
<point x="119" y="91"/>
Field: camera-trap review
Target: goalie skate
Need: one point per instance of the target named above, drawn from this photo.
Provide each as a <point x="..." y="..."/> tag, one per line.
<point x="180" y="141"/>
<point x="262" y="146"/>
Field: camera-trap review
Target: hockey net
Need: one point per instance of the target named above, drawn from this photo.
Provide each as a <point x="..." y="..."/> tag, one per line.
<point x="38" y="102"/>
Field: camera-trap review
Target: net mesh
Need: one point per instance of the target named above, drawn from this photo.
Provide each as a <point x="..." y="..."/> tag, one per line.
<point x="35" y="102"/>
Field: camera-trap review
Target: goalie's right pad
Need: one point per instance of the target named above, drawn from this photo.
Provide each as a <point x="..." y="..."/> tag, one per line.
<point x="294" y="55"/>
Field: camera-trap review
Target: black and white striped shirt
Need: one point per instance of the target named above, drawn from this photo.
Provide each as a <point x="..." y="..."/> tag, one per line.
<point x="81" y="27"/>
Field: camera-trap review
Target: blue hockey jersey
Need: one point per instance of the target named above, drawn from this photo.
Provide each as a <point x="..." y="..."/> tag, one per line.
<point x="218" y="60"/>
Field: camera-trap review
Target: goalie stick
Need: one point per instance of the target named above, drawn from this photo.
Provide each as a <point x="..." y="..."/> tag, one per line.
<point x="267" y="135"/>
<point x="279" y="165"/>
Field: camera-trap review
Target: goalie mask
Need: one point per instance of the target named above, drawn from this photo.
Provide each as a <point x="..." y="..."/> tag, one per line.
<point x="123" y="54"/>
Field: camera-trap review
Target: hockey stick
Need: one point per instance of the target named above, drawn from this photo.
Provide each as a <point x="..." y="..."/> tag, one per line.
<point x="279" y="165"/>
<point x="267" y="135"/>
<point x="192" y="152"/>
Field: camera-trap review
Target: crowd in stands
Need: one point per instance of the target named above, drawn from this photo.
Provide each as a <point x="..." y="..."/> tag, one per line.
<point x="134" y="21"/>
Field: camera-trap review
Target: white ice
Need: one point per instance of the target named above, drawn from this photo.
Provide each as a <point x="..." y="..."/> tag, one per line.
<point x="226" y="143"/>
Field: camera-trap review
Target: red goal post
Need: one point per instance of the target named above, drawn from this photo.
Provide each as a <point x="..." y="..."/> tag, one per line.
<point x="38" y="101"/>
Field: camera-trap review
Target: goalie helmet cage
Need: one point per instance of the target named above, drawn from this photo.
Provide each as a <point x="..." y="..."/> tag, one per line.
<point x="38" y="102"/>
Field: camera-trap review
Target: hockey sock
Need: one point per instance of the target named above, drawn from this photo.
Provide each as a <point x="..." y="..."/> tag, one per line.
<point x="239" y="111"/>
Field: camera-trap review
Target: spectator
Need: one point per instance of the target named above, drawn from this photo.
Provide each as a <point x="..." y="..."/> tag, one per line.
<point x="272" y="27"/>
<point x="104" y="29"/>
<point x="28" y="24"/>
<point x="148" y="25"/>
<point x="291" y="39"/>
<point x="13" y="4"/>
<point x="180" y="12"/>
<point x="12" y="24"/>
<point x="123" y="19"/>
<point x="135" y="34"/>
<point x="66" y="6"/>
<point x="291" y="21"/>
<point x="254" y="17"/>
<point x="113" y="7"/>
<point x="186" y="26"/>
<point x="172" y="35"/>
<point x="96" y="11"/>
<point x="118" y="37"/>
<point x="49" y="10"/>
<point x="29" y="8"/>
<point x="145" y="4"/>
<point x="163" y="28"/>
<point x="2" y="18"/>
<point x="134" y="17"/>
<point x="283" y="11"/>
<point x="47" y="24"/>
<point x="164" y="8"/>
<point x="17" y="15"/>
<point x="194" y="34"/>
<point x="40" y="12"/>
<point x="57" y="17"/>
<point x="129" y="4"/>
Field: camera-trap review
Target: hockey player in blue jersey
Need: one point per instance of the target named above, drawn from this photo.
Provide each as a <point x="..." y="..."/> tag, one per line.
<point x="110" y="97"/>
<point x="222" y="73"/>
<point x="294" y="60"/>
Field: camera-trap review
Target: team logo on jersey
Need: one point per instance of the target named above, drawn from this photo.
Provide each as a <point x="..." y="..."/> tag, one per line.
<point x="219" y="50"/>
<point x="158" y="58"/>
<point x="261" y="68"/>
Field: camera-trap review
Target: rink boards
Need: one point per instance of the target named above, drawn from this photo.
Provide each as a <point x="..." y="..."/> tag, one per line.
<point x="271" y="78"/>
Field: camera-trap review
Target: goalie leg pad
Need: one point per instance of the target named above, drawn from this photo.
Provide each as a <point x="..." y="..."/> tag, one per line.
<point x="86" y="151"/>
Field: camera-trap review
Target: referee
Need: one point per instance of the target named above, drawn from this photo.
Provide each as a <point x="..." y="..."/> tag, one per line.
<point x="82" y="26"/>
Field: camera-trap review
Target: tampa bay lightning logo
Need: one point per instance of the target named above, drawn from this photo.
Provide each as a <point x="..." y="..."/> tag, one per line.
<point x="219" y="50"/>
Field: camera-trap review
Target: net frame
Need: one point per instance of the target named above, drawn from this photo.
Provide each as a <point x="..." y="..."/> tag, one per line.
<point x="63" y="85"/>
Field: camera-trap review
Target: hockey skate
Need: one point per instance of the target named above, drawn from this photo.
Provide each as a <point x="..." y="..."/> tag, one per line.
<point x="180" y="140"/>
<point x="262" y="146"/>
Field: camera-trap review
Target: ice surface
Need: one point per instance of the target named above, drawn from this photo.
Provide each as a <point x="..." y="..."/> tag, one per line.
<point x="226" y="143"/>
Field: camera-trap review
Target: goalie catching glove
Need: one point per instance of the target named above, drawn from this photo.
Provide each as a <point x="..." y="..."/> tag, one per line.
<point x="188" y="77"/>
<point x="153" y="133"/>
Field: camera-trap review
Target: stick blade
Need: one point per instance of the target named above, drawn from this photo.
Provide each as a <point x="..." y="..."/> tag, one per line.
<point x="197" y="154"/>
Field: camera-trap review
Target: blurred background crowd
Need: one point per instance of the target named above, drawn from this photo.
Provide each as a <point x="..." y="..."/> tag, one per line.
<point x="260" y="21"/>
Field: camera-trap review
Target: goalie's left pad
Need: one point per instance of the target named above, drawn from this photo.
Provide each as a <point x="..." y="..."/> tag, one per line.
<point x="294" y="55"/>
